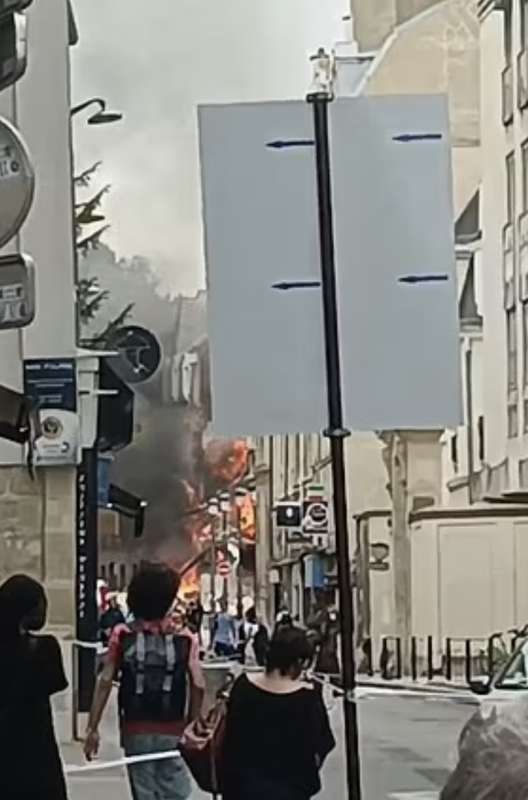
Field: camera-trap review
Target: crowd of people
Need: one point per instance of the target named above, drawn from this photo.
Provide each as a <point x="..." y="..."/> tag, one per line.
<point x="277" y="732"/>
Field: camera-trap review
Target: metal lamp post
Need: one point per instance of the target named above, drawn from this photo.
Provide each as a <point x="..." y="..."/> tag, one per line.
<point x="225" y="508"/>
<point x="240" y="496"/>
<point x="213" y="509"/>
<point x="320" y="96"/>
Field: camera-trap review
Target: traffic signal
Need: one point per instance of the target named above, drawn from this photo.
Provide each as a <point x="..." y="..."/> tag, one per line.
<point x="13" y="41"/>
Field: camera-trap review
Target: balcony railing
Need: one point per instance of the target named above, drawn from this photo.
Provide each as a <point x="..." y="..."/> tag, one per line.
<point x="507" y="95"/>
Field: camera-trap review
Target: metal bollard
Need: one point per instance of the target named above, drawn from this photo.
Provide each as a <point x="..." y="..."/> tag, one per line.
<point x="414" y="659"/>
<point x="384" y="659"/>
<point x="430" y="666"/>
<point x="399" y="665"/>
<point x="469" y="670"/>
<point x="448" y="666"/>
<point x="369" y="657"/>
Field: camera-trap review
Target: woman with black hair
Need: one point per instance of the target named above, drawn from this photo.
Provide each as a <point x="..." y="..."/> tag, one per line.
<point x="31" y="671"/>
<point x="277" y="729"/>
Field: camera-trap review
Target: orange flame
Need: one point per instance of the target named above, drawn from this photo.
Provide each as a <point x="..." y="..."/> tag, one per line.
<point x="248" y="522"/>
<point x="190" y="584"/>
<point x="227" y="461"/>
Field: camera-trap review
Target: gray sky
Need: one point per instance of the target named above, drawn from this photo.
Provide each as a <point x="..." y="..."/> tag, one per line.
<point x="155" y="61"/>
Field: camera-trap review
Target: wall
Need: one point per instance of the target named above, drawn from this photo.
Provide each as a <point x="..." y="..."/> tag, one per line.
<point x="39" y="105"/>
<point x="468" y="576"/>
<point x="493" y="210"/>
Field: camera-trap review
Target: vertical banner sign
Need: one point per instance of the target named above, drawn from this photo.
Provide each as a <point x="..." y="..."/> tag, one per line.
<point x="51" y="383"/>
<point x="86" y="574"/>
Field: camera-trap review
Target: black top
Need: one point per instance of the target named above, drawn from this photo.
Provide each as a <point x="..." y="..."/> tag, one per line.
<point x="274" y="744"/>
<point x="31" y="670"/>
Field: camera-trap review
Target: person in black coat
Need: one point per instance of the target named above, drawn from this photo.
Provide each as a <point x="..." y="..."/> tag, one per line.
<point x="277" y="733"/>
<point x="31" y="671"/>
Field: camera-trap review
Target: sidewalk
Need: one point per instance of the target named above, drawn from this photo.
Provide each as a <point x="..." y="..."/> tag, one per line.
<point x="423" y="686"/>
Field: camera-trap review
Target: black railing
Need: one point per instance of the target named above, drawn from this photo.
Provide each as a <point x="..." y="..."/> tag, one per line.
<point x="451" y="659"/>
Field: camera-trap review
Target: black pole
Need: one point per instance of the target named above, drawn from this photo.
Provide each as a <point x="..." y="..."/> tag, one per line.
<point x="336" y="433"/>
<point x="86" y="577"/>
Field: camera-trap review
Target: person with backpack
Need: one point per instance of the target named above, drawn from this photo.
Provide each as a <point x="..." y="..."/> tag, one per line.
<point x="161" y="687"/>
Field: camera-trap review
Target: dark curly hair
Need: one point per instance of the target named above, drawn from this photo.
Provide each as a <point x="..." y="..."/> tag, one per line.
<point x="152" y="591"/>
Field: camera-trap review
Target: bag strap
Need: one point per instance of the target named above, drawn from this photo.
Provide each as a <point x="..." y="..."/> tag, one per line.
<point x="170" y="652"/>
<point x="140" y="662"/>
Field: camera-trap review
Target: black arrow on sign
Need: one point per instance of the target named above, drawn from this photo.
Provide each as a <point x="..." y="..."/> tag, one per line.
<point x="417" y="137"/>
<point x="280" y="144"/>
<point x="285" y="285"/>
<point x="423" y="278"/>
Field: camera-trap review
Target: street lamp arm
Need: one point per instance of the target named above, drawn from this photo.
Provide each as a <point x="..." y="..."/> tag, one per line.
<point x="77" y="109"/>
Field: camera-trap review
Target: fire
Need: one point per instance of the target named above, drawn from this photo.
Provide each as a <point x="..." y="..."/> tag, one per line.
<point x="248" y="522"/>
<point x="190" y="584"/>
<point x="227" y="461"/>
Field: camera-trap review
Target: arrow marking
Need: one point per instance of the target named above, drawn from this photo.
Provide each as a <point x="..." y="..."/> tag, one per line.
<point x="417" y="137"/>
<point x="280" y="144"/>
<point x="423" y="278"/>
<point x="284" y="286"/>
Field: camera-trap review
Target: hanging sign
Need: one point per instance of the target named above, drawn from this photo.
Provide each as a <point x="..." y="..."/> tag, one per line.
<point x="51" y="384"/>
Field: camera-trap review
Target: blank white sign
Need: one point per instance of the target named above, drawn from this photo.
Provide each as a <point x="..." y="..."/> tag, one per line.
<point x="393" y="220"/>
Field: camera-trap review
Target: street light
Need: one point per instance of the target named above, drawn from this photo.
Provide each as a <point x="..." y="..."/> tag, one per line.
<point x="213" y="509"/>
<point x="320" y="96"/>
<point x="240" y="496"/>
<point x="101" y="117"/>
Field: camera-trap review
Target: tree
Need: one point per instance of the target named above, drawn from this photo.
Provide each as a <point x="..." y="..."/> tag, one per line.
<point x="90" y="296"/>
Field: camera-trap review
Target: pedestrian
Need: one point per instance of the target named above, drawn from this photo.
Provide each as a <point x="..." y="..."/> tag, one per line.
<point x="225" y="633"/>
<point x="195" y="617"/>
<point x="283" y="619"/>
<point x="155" y="666"/>
<point x="277" y="733"/>
<point x="256" y="638"/>
<point x="112" y="617"/>
<point x="31" y="671"/>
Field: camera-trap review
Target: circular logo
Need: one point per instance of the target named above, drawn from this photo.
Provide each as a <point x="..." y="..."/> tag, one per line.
<point x="318" y="515"/>
<point x="139" y="354"/>
<point x="51" y="428"/>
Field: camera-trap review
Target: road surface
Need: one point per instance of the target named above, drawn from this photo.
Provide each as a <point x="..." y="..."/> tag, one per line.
<point x="408" y="747"/>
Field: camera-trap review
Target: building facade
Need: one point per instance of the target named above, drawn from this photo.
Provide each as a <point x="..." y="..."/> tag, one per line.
<point x="37" y="517"/>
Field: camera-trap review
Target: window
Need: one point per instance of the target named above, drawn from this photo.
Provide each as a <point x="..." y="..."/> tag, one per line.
<point x="511" y="338"/>
<point x="524" y="151"/>
<point x="481" y="440"/>
<point x="513" y="421"/>
<point x="454" y="452"/>
<point x="510" y="187"/>
<point x="508" y="32"/>
<point x="525" y="343"/>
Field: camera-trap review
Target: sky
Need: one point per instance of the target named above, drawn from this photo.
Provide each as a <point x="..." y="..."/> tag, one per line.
<point x="155" y="61"/>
